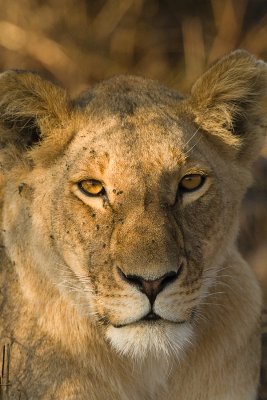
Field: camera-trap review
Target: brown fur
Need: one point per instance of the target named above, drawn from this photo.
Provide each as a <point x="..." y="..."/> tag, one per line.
<point x="71" y="320"/>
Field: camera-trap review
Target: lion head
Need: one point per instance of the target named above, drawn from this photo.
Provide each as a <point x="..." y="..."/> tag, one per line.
<point x="126" y="199"/>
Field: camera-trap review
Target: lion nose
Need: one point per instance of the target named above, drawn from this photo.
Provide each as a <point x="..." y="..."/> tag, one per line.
<point x="151" y="288"/>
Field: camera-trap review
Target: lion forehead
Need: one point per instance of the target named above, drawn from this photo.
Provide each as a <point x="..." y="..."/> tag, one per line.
<point x="123" y="95"/>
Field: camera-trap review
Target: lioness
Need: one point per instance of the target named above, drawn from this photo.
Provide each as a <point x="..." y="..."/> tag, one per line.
<point x="120" y="276"/>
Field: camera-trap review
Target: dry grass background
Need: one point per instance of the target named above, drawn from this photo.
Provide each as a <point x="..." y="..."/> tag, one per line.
<point x="79" y="42"/>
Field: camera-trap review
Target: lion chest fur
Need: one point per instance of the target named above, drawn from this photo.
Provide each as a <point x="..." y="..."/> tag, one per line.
<point x="120" y="275"/>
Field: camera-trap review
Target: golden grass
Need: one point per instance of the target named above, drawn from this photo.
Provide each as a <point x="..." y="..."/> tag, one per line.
<point x="80" y="42"/>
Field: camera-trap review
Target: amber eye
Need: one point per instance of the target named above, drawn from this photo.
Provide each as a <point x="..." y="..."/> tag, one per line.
<point x="191" y="182"/>
<point x="92" y="187"/>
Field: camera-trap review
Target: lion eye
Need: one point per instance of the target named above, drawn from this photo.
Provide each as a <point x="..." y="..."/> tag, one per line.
<point x="191" y="182"/>
<point x="91" y="187"/>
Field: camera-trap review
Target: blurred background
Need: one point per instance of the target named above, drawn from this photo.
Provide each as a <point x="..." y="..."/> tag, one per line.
<point x="79" y="42"/>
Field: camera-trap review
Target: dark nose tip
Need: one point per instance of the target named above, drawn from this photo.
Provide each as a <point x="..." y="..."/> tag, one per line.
<point x="151" y="287"/>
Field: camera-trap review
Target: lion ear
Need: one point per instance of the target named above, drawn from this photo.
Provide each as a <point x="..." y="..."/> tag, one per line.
<point x="230" y="102"/>
<point x="31" y="109"/>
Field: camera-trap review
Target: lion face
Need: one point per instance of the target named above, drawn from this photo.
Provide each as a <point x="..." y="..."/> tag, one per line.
<point x="133" y="256"/>
<point x="131" y="219"/>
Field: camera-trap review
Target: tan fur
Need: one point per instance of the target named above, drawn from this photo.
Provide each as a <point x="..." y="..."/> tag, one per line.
<point x="70" y="319"/>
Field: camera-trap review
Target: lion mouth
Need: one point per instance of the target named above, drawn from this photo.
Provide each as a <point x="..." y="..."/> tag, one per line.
<point x="151" y="318"/>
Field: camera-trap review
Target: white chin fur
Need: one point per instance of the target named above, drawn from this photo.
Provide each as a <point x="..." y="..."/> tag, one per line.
<point x="144" y="340"/>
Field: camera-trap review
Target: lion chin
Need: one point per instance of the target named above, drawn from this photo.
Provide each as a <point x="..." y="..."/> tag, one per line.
<point x="142" y="340"/>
